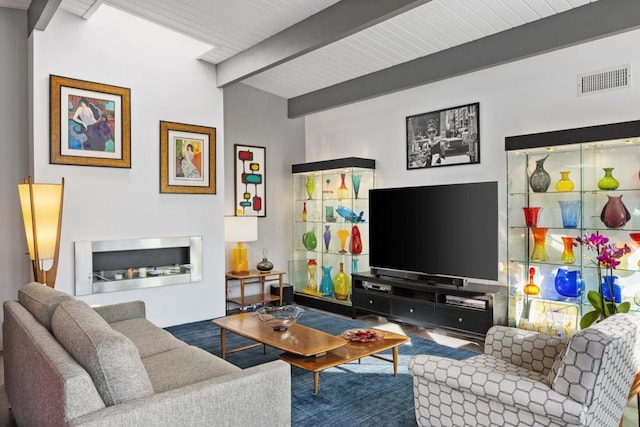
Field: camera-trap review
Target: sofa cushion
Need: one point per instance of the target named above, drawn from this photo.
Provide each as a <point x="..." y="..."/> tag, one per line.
<point x="41" y="301"/>
<point x="112" y="360"/>
<point x="147" y="337"/>
<point x="183" y="366"/>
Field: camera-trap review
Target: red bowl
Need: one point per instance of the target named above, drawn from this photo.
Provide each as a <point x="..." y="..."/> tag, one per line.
<point x="635" y="237"/>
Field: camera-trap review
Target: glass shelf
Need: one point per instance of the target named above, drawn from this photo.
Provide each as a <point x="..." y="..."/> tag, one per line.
<point x="320" y="209"/>
<point x="585" y="162"/>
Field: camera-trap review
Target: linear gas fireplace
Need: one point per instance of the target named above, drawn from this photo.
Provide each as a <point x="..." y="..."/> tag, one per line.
<point x="119" y="265"/>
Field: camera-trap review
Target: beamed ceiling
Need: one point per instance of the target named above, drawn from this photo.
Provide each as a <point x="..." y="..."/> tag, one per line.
<point x="322" y="53"/>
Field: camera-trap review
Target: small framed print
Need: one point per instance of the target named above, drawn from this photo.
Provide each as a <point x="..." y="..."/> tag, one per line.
<point x="90" y="123"/>
<point x="446" y="137"/>
<point x="250" y="170"/>
<point x="187" y="158"/>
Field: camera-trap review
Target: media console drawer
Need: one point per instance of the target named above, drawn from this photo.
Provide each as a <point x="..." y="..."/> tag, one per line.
<point x="422" y="312"/>
<point x="373" y="301"/>
<point x="465" y="319"/>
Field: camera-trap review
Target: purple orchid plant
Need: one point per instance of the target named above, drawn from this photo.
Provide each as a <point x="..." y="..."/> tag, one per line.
<point x="607" y="256"/>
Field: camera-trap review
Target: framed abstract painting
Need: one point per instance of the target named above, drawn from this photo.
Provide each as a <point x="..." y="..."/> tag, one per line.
<point x="250" y="166"/>
<point x="90" y="123"/>
<point x="187" y="158"/>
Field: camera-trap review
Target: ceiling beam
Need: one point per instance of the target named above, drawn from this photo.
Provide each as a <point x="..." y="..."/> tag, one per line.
<point x="585" y="23"/>
<point x="40" y="13"/>
<point x="327" y="26"/>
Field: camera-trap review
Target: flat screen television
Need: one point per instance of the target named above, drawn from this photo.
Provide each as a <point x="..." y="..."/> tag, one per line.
<point x="446" y="231"/>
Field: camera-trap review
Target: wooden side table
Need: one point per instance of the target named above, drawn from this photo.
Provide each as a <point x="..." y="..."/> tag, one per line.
<point x="254" y="277"/>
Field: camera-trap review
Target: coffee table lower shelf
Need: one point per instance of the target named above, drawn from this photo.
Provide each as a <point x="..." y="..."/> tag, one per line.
<point x="348" y="353"/>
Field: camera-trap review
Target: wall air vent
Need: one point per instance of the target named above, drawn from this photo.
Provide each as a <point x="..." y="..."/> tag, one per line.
<point x="605" y="80"/>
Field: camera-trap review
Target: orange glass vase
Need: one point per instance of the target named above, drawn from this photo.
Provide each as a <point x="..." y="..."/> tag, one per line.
<point x="567" y="254"/>
<point x="539" y="249"/>
<point x="531" y="288"/>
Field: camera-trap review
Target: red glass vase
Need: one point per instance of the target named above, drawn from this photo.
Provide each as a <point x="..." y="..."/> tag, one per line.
<point x="355" y="246"/>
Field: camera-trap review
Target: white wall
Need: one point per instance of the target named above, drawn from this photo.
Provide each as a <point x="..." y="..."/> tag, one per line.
<point x="533" y="95"/>
<point x="166" y="83"/>
<point x="254" y="117"/>
<point x="14" y="150"/>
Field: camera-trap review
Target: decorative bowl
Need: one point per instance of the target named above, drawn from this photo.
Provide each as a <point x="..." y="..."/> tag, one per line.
<point x="363" y="334"/>
<point x="279" y="318"/>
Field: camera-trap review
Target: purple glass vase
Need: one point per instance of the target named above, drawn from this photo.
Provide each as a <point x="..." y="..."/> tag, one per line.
<point x="327" y="237"/>
<point x="614" y="213"/>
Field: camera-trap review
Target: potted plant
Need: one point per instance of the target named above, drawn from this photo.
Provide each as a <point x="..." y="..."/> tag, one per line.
<point x="607" y="257"/>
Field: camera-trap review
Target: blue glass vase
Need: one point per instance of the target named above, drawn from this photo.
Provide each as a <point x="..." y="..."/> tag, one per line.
<point x="569" y="283"/>
<point x="609" y="283"/>
<point x="570" y="210"/>
<point x="326" y="285"/>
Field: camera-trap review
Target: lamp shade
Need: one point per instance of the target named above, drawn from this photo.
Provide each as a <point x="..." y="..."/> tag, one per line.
<point x="240" y="228"/>
<point x="45" y="208"/>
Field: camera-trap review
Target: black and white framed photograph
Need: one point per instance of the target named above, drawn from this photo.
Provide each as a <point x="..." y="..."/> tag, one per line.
<point x="445" y="137"/>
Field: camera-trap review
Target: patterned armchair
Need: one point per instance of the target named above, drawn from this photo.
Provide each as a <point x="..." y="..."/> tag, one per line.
<point x="529" y="379"/>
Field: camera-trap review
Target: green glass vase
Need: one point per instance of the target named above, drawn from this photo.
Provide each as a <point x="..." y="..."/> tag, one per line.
<point x="608" y="182"/>
<point x="310" y="186"/>
<point x="341" y="284"/>
<point x="309" y="240"/>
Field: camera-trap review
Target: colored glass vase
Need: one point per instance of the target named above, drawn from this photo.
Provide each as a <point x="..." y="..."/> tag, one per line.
<point x="342" y="235"/>
<point x="327" y="237"/>
<point x="564" y="184"/>
<point x="355" y="245"/>
<point x="567" y="254"/>
<point x="540" y="178"/>
<point x="309" y="240"/>
<point x="304" y="211"/>
<point x="608" y="182"/>
<point x="354" y="265"/>
<point x="343" y="190"/>
<point x="312" y="283"/>
<point x="539" y="249"/>
<point x="570" y="212"/>
<point x="609" y="287"/>
<point x="569" y="283"/>
<point x="531" y="288"/>
<point x="614" y="213"/>
<point x="355" y="179"/>
<point x="310" y="186"/>
<point x="531" y="215"/>
<point x="341" y="284"/>
<point x="326" y="284"/>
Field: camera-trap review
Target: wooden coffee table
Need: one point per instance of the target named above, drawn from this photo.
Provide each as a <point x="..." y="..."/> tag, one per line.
<point x="297" y="339"/>
<point x="307" y="348"/>
<point x="347" y="353"/>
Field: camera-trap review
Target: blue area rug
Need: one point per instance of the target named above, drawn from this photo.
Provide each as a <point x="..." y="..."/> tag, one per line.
<point x="352" y="394"/>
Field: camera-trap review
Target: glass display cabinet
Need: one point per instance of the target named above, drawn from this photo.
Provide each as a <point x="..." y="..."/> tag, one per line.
<point x="330" y="230"/>
<point x="562" y="185"/>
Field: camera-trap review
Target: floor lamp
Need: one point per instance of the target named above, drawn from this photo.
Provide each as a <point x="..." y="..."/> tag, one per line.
<point x="42" y="215"/>
<point x="240" y="229"/>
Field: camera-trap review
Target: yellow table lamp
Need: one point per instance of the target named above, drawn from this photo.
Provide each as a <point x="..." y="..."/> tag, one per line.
<point x="240" y="229"/>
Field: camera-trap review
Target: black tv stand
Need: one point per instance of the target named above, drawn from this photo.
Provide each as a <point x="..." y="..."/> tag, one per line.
<point x="470" y="309"/>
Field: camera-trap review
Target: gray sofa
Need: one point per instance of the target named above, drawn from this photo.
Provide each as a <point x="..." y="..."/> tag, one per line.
<point x="67" y="364"/>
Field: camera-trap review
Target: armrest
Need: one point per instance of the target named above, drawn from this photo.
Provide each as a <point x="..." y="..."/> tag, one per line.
<point x="122" y="311"/>
<point x="511" y="390"/>
<point x="528" y="349"/>
<point x="251" y="397"/>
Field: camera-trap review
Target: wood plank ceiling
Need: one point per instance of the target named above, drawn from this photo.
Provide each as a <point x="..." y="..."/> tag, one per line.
<point x="231" y="26"/>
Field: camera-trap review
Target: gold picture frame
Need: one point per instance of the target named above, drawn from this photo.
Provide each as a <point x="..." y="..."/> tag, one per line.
<point x="90" y="123"/>
<point x="187" y="158"/>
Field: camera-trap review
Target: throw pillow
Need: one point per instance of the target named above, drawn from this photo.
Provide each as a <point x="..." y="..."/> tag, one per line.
<point x="41" y="301"/>
<point x="110" y="358"/>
